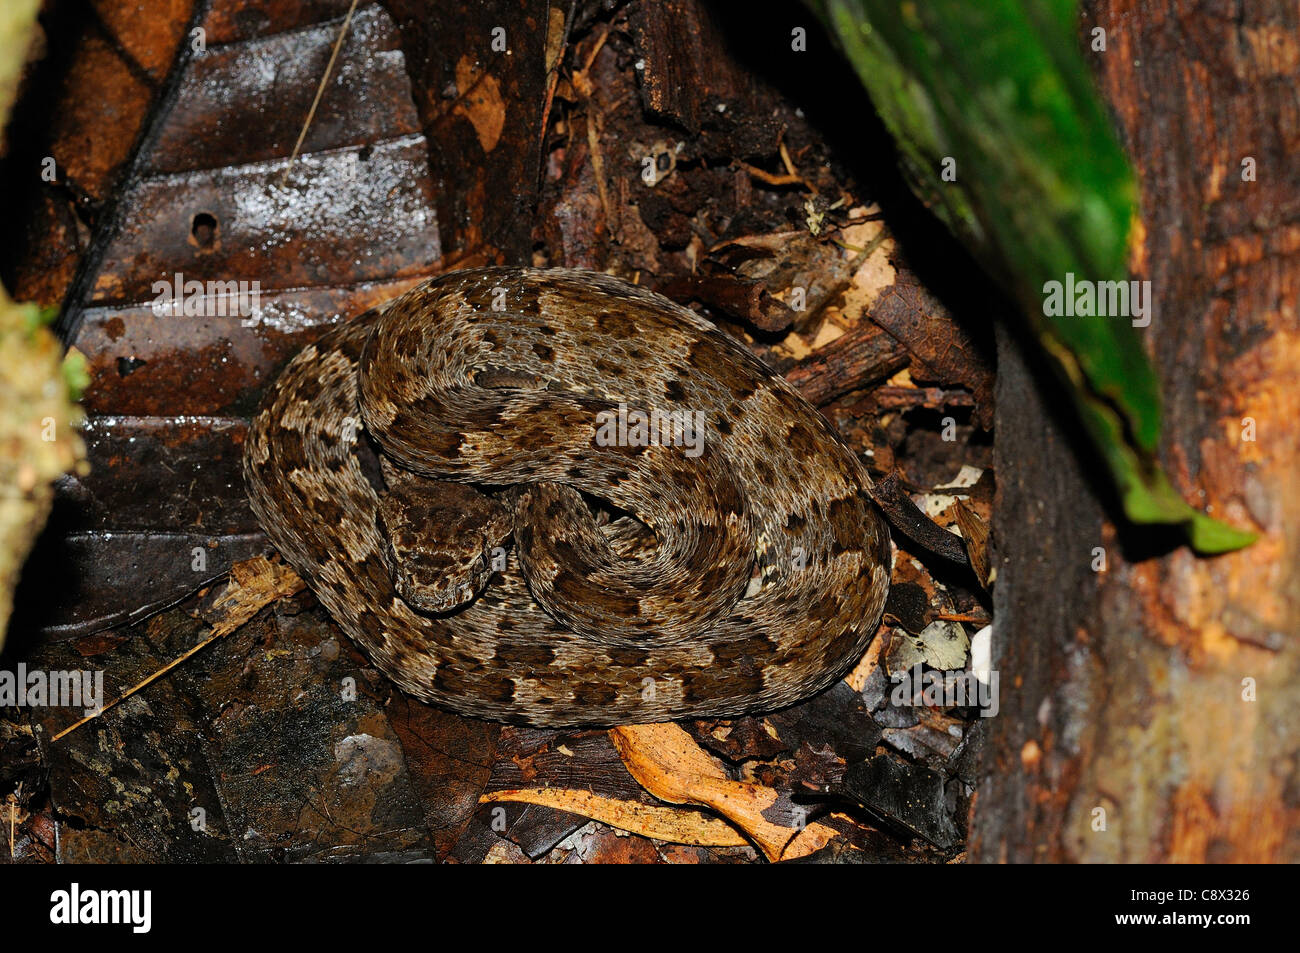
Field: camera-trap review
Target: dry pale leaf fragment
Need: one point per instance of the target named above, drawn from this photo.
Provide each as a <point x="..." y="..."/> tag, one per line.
<point x="942" y="645"/>
<point x="481" y="102"/>
<point x="254" y="583"/>
<point x="976" y="534"/>
<point x="674" y="825"/>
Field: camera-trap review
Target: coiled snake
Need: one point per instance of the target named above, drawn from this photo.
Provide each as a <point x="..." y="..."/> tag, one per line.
<point x="591" y="508"/>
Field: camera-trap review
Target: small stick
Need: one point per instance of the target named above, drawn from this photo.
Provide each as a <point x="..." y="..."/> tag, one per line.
<point x="320" y="91"/>
<point x="13" y="815"/>
<point x="253" y="585"/>
<point x="770" y="178"/>
<point x="144" y="684"/>
<point x="790" y="168"/>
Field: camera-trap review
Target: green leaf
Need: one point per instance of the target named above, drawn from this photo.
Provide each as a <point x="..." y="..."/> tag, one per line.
<point x="1042" y="190"/>
<point x="76" y="374"/>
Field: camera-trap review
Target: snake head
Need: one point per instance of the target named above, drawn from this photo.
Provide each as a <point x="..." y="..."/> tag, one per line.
<point x="441" y="538"/>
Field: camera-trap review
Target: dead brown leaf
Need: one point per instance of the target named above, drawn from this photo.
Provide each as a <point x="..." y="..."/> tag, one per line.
<point x="668" y="763"/>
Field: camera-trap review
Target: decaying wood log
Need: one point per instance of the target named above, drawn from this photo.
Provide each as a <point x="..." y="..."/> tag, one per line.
<point x="863" y="356"/>
<point x="1149" y="708"/>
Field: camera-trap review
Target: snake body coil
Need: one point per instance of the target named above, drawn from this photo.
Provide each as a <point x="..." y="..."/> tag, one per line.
<point x="725" y="562"/>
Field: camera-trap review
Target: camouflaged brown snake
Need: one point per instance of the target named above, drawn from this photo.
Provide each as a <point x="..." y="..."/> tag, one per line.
<point x="643" y="582"/>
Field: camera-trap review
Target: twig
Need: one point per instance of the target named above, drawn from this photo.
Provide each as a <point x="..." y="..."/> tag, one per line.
<point x="13" y="815"/>
<point x="582" y="85"/>
<point x="790" y="166"/>
<point x="768" y="177"/>
<point x="864" y="251"/>
<point x="553" y="81"/>
<point x="959" y="617"/>
<point x="591" y="57"/>
<point x="320" y="91"/>
<point x="144" y="684"/>
<point x="254" y="584"/>
<point x="597" y="160"/>
<point x="791" y="176"/>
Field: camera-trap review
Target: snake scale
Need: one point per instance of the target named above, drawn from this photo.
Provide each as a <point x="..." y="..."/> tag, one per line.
<point x="466" y="480"/>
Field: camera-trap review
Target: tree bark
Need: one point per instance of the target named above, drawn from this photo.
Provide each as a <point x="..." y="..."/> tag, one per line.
<point x="1151" y="711"/>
